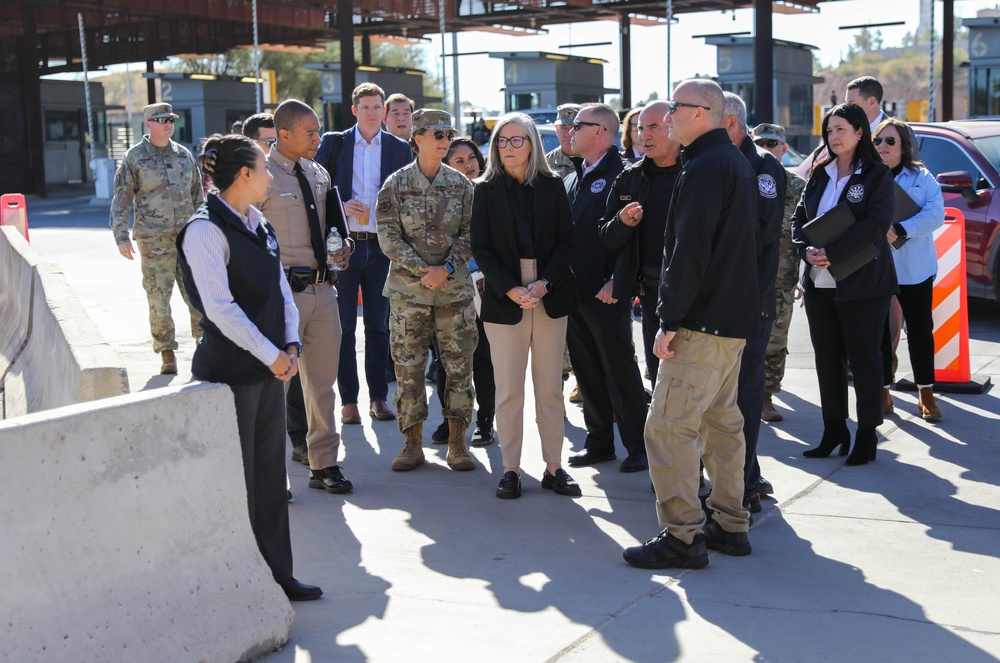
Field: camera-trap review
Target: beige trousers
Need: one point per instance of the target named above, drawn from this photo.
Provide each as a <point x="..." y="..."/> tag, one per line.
<point x="694" y="417"/>
<point x="319" y="333"/>
<point x="545" y="339"/>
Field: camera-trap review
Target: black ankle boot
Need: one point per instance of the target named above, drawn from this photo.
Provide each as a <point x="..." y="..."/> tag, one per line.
<point x="864" y="447"/>
<point x="835" y="434"/>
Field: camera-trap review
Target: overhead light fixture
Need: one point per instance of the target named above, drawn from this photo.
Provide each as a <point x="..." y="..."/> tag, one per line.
<point x="595" y="61"/>
<point x="554" y="56"/>
<point x="202" y="77"/>
<point x="365" y="67"/>
<point x="251" y="79"/>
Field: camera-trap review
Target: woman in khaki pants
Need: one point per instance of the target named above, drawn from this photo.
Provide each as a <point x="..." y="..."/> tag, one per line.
<point x="522" y="240"/>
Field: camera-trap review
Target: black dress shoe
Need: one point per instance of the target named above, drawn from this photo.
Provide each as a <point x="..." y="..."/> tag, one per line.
<point x="510" y="486"/>
<point x="330" y="479"/>
<point x="296" y="591"/>
<point x="729" y="543"/>
<point x="766" y="489"/>
<point x="751" y="501"/>
<point x="441" y="433"/>
<point x="588" y="457"/>
<point x="561" y="482"/>
<point x="482" y="436"/>
<point x="665" y="551"/>
<point x="634" y="463"/>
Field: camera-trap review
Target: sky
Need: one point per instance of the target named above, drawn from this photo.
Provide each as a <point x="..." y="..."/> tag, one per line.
<point x="481" y="77"/>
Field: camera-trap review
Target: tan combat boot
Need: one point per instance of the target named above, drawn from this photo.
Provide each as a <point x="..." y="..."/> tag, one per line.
<point x="769" y="413"/>
<point x="458" y="457"/>
<point x="413" y="449"/>
<point x="169" y="365"/>
<point x="928" y="408"/>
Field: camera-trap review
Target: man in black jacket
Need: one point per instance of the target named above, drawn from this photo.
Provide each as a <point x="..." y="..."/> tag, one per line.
<point x="709" y="306"/>
<point x="599" y="335"/>
<point x="770" y="211"/>
<point x="636" y="218"/>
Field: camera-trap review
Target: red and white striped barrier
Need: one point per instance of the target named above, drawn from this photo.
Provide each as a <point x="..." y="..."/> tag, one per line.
<point x="14" y="212"/>
<point x="951" y="312"/>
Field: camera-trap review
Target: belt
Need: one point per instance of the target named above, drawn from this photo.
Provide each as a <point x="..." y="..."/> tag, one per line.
<point x="316" y="276"/>
<point x="362" y="235"/>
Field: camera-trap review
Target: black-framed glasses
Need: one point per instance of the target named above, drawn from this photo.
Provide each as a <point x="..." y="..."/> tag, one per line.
<point x="164" y="120"/>
<point x="889" y="140"/>
<point x="674" y="105"/>
<point x="440" y="134"/>
<point x="514" y="141"/>
<point x="577" y="124"/>
<point x="769" y="143"/>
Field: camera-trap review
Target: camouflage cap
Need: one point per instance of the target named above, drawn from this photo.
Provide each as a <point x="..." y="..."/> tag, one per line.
<point x="433" y="119"/>
<point x="566" y="113"/>
<point x="153" y="111"/>
<point x="772" y="131"/>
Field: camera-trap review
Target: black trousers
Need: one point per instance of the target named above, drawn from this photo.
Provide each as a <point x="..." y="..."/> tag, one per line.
<point x="917" y="302"/>
<point x="844" y="332"/>
<point x="750" y="398"/>
<point x="599" y="337"/>
<point x="260" y="417"/>
<point x="649" y="295"/>
<point x="482" y="378"/>
<point x="295" y="413"/>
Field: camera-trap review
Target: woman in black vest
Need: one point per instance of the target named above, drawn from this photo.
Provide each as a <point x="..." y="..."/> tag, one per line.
<point x="232" y="272"/>
<point x="522" y="240"/>
<point x="846" y="317"/>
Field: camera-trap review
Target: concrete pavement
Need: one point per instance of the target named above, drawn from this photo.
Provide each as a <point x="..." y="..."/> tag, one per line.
<point x="895" y="560"/>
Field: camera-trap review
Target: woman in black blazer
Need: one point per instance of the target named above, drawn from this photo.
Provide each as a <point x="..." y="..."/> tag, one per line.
<point x="846" y="318"/>
<point x="522" y="240"/>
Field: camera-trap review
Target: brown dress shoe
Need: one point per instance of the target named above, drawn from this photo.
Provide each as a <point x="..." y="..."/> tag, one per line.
<point x="887" y="407"/>
<point x="380" y="410"/>
<point x="349" y="414"/>
<point x="169" y="365"/>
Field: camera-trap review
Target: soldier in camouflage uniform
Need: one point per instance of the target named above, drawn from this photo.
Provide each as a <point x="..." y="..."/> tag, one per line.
<point x="772" y="138"/>
<point x="423" y="214"/>
<point x="161" y="179"/>
<point x="558" y="158"/>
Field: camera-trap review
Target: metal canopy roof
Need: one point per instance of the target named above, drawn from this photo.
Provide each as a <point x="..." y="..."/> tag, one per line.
<point x="148" y="30"/>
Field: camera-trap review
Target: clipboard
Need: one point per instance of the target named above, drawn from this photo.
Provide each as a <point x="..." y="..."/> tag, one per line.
<point x="829" y="227"/>
<point x="906" y="208"/>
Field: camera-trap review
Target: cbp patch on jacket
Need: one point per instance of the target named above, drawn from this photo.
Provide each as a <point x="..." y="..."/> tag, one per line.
<point x="767" y="186"/>
<point x="856" y="193"/>
<point x="598" y="185"/>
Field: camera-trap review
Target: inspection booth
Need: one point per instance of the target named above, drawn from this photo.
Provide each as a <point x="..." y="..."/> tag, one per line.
<point x="793" y="83"/>
<point x="392" y="80"/>
<point x="67" y="138"/>
<point x="984" y="64"/>
<point x="537" y="80"/>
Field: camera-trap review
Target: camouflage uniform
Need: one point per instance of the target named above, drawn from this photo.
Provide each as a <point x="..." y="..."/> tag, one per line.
<point x="784" y="286"/>
<point x="422" y="224"/>
<point x="559" y="162"/>
<point x="165" y="188"/>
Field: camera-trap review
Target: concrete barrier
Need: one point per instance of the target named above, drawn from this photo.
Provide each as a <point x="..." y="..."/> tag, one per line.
<point x="53" y="353"/>
<point x="126" y="537"/>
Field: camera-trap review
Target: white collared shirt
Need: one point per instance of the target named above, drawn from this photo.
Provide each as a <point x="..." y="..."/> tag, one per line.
<point x="367" y="178"/>
<point x="587" y="168"/>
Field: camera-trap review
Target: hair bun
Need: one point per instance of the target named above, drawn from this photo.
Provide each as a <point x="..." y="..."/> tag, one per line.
<point x="210" y="156"/>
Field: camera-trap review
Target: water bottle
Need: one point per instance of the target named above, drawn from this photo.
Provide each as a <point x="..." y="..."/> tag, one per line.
<point x="334" y="243"/>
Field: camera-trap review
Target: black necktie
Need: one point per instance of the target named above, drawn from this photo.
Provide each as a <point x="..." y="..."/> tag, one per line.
<point x="316" y="235"/>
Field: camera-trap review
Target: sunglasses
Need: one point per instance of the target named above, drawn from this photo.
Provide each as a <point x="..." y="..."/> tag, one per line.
<point x="268" y="141"/>
<point x="440" y="134"/>
<point x="674" y="105"/>
<point x="889" y="140"/>
<point x="164" y="120"/>
<point x="513" y="141"/>
<point x="578" y="124"/>
<point x="767" y="142"/>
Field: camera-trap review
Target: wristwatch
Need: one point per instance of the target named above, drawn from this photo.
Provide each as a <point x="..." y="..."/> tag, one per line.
<point x="296" y="344"/>
<point x="548" y="286"/>
<point x="448" y="267"/>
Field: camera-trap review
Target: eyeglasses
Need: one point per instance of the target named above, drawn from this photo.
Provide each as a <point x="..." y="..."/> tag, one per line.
<point x="268" y="141"/>
<point x="164" y="120"/>
<point x="768" y="142"/>
<point x="889" y="140"/>
<point x="441" y="134"/>
<point x="674" y="105"/>
<point x="513" y="141"/>
<point x="578" y="124"/>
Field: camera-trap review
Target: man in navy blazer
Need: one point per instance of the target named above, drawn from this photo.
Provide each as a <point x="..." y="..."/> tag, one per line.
<point x="359" y="161"/>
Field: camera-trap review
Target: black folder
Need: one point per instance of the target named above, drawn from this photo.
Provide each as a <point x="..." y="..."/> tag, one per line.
<point x="829" y="227"/>
<point x="905" y="209"/>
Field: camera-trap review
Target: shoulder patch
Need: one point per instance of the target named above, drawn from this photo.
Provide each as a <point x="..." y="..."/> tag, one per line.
<point x="856" y="193"/>
<point x="767" y="186"/>
<point x="384" y="205"/>
<point x="598" y="185"/>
